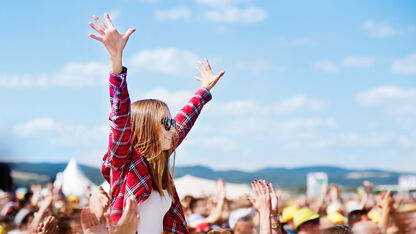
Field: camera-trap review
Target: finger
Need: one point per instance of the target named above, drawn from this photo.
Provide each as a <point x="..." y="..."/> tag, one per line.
<point x="128" y="204"/>
<point x="266" y="187"/>
<point x="109" y="22"/>
<point x="273" y="191"/>
<point x="108" y="219"/>
<point x="129" y="32"/>
<point x="101" y="23"/>
<point x="197" y="78"/>
<point x="383" y="195"/>
<point x="208" y="66"/>
<point x="84" y="221"/>
<point x="203" y="66"/>
<point x="96" y="37"/>
<point x="200" y="71"/>
<point x="258" y="189"/>
<point x="251" y="200"/>
<point x="220" y="74"/>
<point x="91" y="219"/>
<point x="255" y="190"/>
<point x="99" y="30"/>
<point x="262" y="188"/>
<point x="134" y="203"/>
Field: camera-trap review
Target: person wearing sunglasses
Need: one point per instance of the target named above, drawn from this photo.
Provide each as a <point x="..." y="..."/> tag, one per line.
<point x="142" y="138"/>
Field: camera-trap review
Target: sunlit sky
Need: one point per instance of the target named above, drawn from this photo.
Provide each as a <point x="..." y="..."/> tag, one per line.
<point x="306" y="83"/>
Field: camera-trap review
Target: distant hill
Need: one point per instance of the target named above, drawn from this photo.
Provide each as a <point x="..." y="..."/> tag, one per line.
<point x="284" y="177"/>
<point x="51" y="169"/>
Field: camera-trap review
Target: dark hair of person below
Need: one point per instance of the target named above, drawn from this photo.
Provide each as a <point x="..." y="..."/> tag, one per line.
<point x="193" y="202"/>
<point x="312" y="221"/>
<point x="355" y="216"/>
<point x="339" y="229"/>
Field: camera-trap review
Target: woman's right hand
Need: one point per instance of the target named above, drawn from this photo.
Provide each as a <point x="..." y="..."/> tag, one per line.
<point x="112" y="40"/>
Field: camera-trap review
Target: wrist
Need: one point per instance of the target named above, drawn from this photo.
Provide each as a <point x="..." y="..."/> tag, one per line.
<point x="265" y="213"/>
<point x="116" y="64"/>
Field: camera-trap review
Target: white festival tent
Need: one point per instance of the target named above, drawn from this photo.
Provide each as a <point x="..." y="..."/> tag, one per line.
<point x="74" y="181"/>
<point x="199" y="187"/>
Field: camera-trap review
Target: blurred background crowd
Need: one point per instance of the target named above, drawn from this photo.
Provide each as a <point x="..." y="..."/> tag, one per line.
<point x="49" y="209"/>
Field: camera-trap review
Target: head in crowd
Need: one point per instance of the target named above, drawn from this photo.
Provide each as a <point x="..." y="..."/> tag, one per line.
<point x="306" y="221"/>
<point x="366" y="227"/>
<point x="287" y="218"/>
<point x="356" y="216"/>
<point x="152" y="135"/>
<point x="340" y="229"/>
<point x="23" y="218"/>
<point x="244" y="227"/>
<point x="199" y="206"/>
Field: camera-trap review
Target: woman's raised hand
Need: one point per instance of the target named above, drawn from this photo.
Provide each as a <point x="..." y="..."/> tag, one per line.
<point x="110" y="37"/>
<point x="209" y="79"/>
<point x="112" y="40"/>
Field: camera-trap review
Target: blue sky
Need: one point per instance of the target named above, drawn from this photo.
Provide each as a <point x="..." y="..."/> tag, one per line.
<point x="306" y="83"/>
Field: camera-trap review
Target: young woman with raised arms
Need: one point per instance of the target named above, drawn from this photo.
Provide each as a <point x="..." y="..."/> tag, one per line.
<point x="143" y="136"/>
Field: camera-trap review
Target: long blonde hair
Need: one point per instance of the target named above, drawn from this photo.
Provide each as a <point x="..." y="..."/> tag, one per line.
<point x="146" y="123"/>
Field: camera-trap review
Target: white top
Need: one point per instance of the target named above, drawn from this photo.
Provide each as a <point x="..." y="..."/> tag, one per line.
<point x="152" y="211"/>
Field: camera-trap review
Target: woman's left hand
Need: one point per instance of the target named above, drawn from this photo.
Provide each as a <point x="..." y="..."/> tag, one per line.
<point x="209" y="79"/>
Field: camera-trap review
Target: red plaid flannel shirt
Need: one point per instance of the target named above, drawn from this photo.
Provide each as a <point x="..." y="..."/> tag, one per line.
<point x="125" y="168"/>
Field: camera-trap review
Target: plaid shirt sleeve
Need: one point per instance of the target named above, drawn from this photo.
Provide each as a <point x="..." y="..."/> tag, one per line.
<point x="119" y="147"/>
<point x="123" y="166"/>
<point x="187" y="116"/>
<point x="174" y="220"/>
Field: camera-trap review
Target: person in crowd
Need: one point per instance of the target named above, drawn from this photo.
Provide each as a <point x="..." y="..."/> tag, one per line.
<point x="306" y="221"/>
<point x="205" y="215"/>
<point x="357" y="216"/>
<point x="366" y="227"/>
<point x="49" y="226"/>
<point x="127" y="224"/>
<point x="339" y="229"/>
<point x="143" y="136"/>
<point x="264" y="194"/>
<point x="287" y="218"/>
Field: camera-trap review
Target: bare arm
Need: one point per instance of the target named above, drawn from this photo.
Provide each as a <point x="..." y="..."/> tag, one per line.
<point x="187" y="116"/>
<point x="262" y="202"/>
<point x="120" y="136"/>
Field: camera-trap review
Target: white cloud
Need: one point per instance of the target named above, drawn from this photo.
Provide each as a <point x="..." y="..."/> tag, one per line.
<point x="378" y="29"/>
<point x="299" y="102"/>
<point x="396" y="101"/>
<point x="176" y="13"/>
<point x="170" y="61"/>
<point x="406" y="65"/>
<point x="81" y="74"/>
<point x="358" y="62"/>
<point x="326" y="66"/>
<point x="65" y="134"/>
<point x="386" y="94"/>
<point x="236" y="15"/>
<point x="71" y="75"/>
<point x="35" y="126"/>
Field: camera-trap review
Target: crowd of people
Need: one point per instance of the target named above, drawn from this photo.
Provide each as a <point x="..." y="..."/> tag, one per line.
<point x="47" y="210"/>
